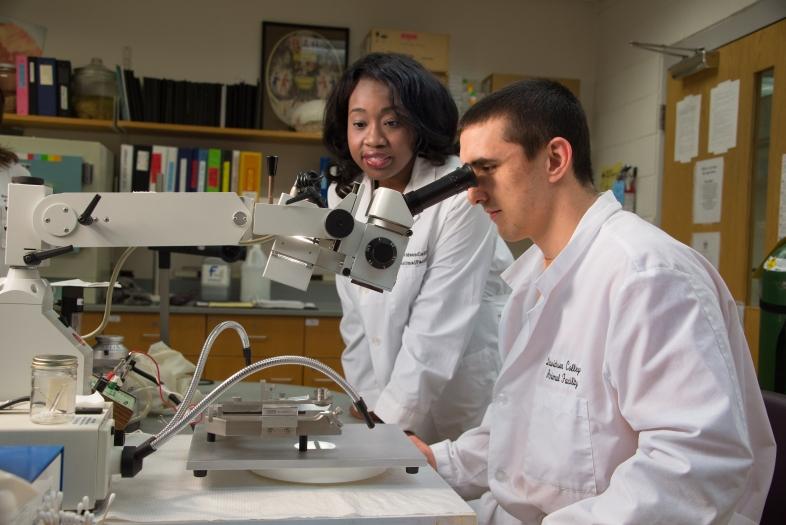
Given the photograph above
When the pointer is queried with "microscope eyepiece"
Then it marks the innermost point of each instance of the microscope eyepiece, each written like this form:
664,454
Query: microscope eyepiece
454,182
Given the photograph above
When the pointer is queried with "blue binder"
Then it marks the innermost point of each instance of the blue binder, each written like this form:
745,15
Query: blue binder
47,86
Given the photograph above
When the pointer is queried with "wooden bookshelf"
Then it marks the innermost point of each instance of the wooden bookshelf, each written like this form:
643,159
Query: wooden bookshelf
152,128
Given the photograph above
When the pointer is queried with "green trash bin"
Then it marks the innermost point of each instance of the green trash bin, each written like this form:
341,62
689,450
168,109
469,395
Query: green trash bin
772,325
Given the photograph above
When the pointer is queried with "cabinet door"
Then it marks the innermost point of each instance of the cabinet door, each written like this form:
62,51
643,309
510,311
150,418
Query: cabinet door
323,342
313,378
218,368
140,330
269,336
322,337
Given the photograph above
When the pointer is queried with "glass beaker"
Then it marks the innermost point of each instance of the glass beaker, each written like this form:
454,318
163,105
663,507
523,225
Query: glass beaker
53,389
94,91
8,86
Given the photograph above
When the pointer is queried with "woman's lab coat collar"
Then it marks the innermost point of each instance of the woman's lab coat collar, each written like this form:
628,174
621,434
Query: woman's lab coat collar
521,272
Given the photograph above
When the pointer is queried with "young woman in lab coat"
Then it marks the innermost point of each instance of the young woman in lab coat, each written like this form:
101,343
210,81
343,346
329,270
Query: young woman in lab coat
423,355
627,392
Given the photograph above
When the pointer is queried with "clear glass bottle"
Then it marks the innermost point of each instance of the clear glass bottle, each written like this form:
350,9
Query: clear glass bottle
8,86
53,389
107,352
94,89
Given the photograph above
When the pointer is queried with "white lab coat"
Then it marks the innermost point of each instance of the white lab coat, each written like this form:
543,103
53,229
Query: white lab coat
425,354
627,392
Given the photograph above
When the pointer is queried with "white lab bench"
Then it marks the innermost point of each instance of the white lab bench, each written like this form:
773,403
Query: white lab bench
165,492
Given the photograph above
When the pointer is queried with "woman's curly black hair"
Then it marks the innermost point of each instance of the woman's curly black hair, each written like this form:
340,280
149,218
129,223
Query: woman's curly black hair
420,100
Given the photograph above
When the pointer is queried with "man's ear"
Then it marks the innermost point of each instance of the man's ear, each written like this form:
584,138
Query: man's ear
559,158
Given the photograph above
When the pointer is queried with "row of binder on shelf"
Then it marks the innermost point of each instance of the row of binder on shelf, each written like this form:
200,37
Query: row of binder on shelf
166,168
43,86
183,102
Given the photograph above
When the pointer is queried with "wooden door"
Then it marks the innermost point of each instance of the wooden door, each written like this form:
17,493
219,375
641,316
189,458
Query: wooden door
748,60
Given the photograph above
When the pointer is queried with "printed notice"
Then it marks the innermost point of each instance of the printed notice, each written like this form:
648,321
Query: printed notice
708,244
686,133
724,104
707,191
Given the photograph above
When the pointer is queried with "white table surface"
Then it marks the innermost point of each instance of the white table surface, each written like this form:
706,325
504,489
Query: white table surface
164,492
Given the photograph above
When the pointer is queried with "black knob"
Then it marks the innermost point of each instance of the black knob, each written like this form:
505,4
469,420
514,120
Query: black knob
380,253
272,165
339,223
86,219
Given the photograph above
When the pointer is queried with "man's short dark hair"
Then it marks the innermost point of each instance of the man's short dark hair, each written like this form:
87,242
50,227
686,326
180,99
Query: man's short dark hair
536,111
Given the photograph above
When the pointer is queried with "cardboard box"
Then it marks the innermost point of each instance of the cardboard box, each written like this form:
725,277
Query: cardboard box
497,81
430,49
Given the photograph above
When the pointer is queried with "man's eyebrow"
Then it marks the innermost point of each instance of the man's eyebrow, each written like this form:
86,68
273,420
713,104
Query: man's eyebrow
481,161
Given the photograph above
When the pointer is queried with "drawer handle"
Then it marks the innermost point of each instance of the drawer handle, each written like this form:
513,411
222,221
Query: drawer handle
281,379
257,337
151,335
322,380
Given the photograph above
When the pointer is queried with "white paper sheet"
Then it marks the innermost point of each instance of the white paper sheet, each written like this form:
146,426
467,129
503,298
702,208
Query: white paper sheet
724,105
782,207
707,191
79,283
686,136
708,244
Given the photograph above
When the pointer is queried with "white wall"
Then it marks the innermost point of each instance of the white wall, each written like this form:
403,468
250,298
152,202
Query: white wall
206,40
630,82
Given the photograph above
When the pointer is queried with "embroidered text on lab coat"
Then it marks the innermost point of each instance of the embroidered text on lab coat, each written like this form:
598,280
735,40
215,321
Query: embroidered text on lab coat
563,372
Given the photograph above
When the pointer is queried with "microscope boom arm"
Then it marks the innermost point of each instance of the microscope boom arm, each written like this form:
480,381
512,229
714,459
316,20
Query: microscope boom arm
39,219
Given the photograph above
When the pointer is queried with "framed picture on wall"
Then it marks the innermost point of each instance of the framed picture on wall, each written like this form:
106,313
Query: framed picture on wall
300,66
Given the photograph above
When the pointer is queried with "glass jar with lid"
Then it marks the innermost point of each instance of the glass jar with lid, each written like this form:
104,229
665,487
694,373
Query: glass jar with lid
8,86
53,389
94,89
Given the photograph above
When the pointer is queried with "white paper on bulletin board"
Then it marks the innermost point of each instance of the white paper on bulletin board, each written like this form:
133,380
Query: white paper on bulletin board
708,244
782,206
724,105
707,191
686,133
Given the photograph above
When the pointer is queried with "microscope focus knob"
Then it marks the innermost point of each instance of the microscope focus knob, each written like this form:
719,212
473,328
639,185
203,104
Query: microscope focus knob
380,253
339,223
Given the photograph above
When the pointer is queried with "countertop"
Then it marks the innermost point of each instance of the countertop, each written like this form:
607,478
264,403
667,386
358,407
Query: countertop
321,310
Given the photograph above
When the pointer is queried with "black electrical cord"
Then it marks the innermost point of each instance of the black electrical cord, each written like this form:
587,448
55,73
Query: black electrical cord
12,402
172,397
